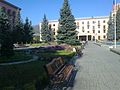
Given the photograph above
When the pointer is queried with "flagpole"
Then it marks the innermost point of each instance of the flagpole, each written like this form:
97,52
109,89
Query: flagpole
115,9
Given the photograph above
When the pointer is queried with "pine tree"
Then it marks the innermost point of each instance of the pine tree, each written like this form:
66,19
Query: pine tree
18,31
28,31
51,34
110,33
45,31
5,35
118,24
67,28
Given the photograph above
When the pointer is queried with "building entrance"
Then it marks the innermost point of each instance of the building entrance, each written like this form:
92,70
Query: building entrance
82,38
85,38
89,37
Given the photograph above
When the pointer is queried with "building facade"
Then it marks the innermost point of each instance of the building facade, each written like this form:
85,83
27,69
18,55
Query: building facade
11,10
90,28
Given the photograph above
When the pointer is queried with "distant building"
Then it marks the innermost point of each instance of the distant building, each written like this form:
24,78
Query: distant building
11,10
89,28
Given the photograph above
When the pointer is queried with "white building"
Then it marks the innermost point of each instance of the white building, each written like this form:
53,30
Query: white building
89,28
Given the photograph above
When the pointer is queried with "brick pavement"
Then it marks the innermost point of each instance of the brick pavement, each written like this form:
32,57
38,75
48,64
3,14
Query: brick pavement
99,69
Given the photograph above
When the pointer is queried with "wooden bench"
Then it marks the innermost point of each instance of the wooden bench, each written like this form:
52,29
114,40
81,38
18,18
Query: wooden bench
79,51
60,73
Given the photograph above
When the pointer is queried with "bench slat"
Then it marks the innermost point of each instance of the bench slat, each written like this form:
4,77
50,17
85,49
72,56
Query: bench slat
59,72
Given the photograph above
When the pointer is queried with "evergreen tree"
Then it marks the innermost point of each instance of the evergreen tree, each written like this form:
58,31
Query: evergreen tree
45,31
110,33
51,34
5,35
18,32
118,24
67,28
28,31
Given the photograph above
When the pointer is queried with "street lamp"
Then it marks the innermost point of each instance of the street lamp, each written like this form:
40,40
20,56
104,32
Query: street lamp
115,10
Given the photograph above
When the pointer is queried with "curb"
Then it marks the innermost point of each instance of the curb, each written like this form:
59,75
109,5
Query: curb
115,51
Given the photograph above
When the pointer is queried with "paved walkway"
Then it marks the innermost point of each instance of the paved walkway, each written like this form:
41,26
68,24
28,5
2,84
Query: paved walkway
99,69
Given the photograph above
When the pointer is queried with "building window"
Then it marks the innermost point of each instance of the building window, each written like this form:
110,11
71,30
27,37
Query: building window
77,23
93,31
98,31
93,27
98,26
83,31
49,26
4,9
104,21
104,27
98,22
88,31
88,22
98,37
54,29
93,22
9,12
104,31
88,26
104,36
113,14
82,22
77,27
54,33
53,24
13,13
82,28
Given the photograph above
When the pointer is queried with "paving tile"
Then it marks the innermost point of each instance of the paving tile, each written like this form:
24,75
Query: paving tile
99,69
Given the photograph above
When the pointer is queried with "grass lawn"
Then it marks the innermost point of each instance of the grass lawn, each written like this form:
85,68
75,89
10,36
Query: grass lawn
27,74
23,74
67,55
19,56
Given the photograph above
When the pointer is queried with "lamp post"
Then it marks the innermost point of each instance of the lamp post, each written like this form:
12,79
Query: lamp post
115,10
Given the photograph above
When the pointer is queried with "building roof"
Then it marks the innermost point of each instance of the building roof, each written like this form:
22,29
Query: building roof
3,1
93,17
85,18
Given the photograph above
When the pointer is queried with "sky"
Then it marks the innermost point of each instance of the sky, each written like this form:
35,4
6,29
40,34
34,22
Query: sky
35,9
